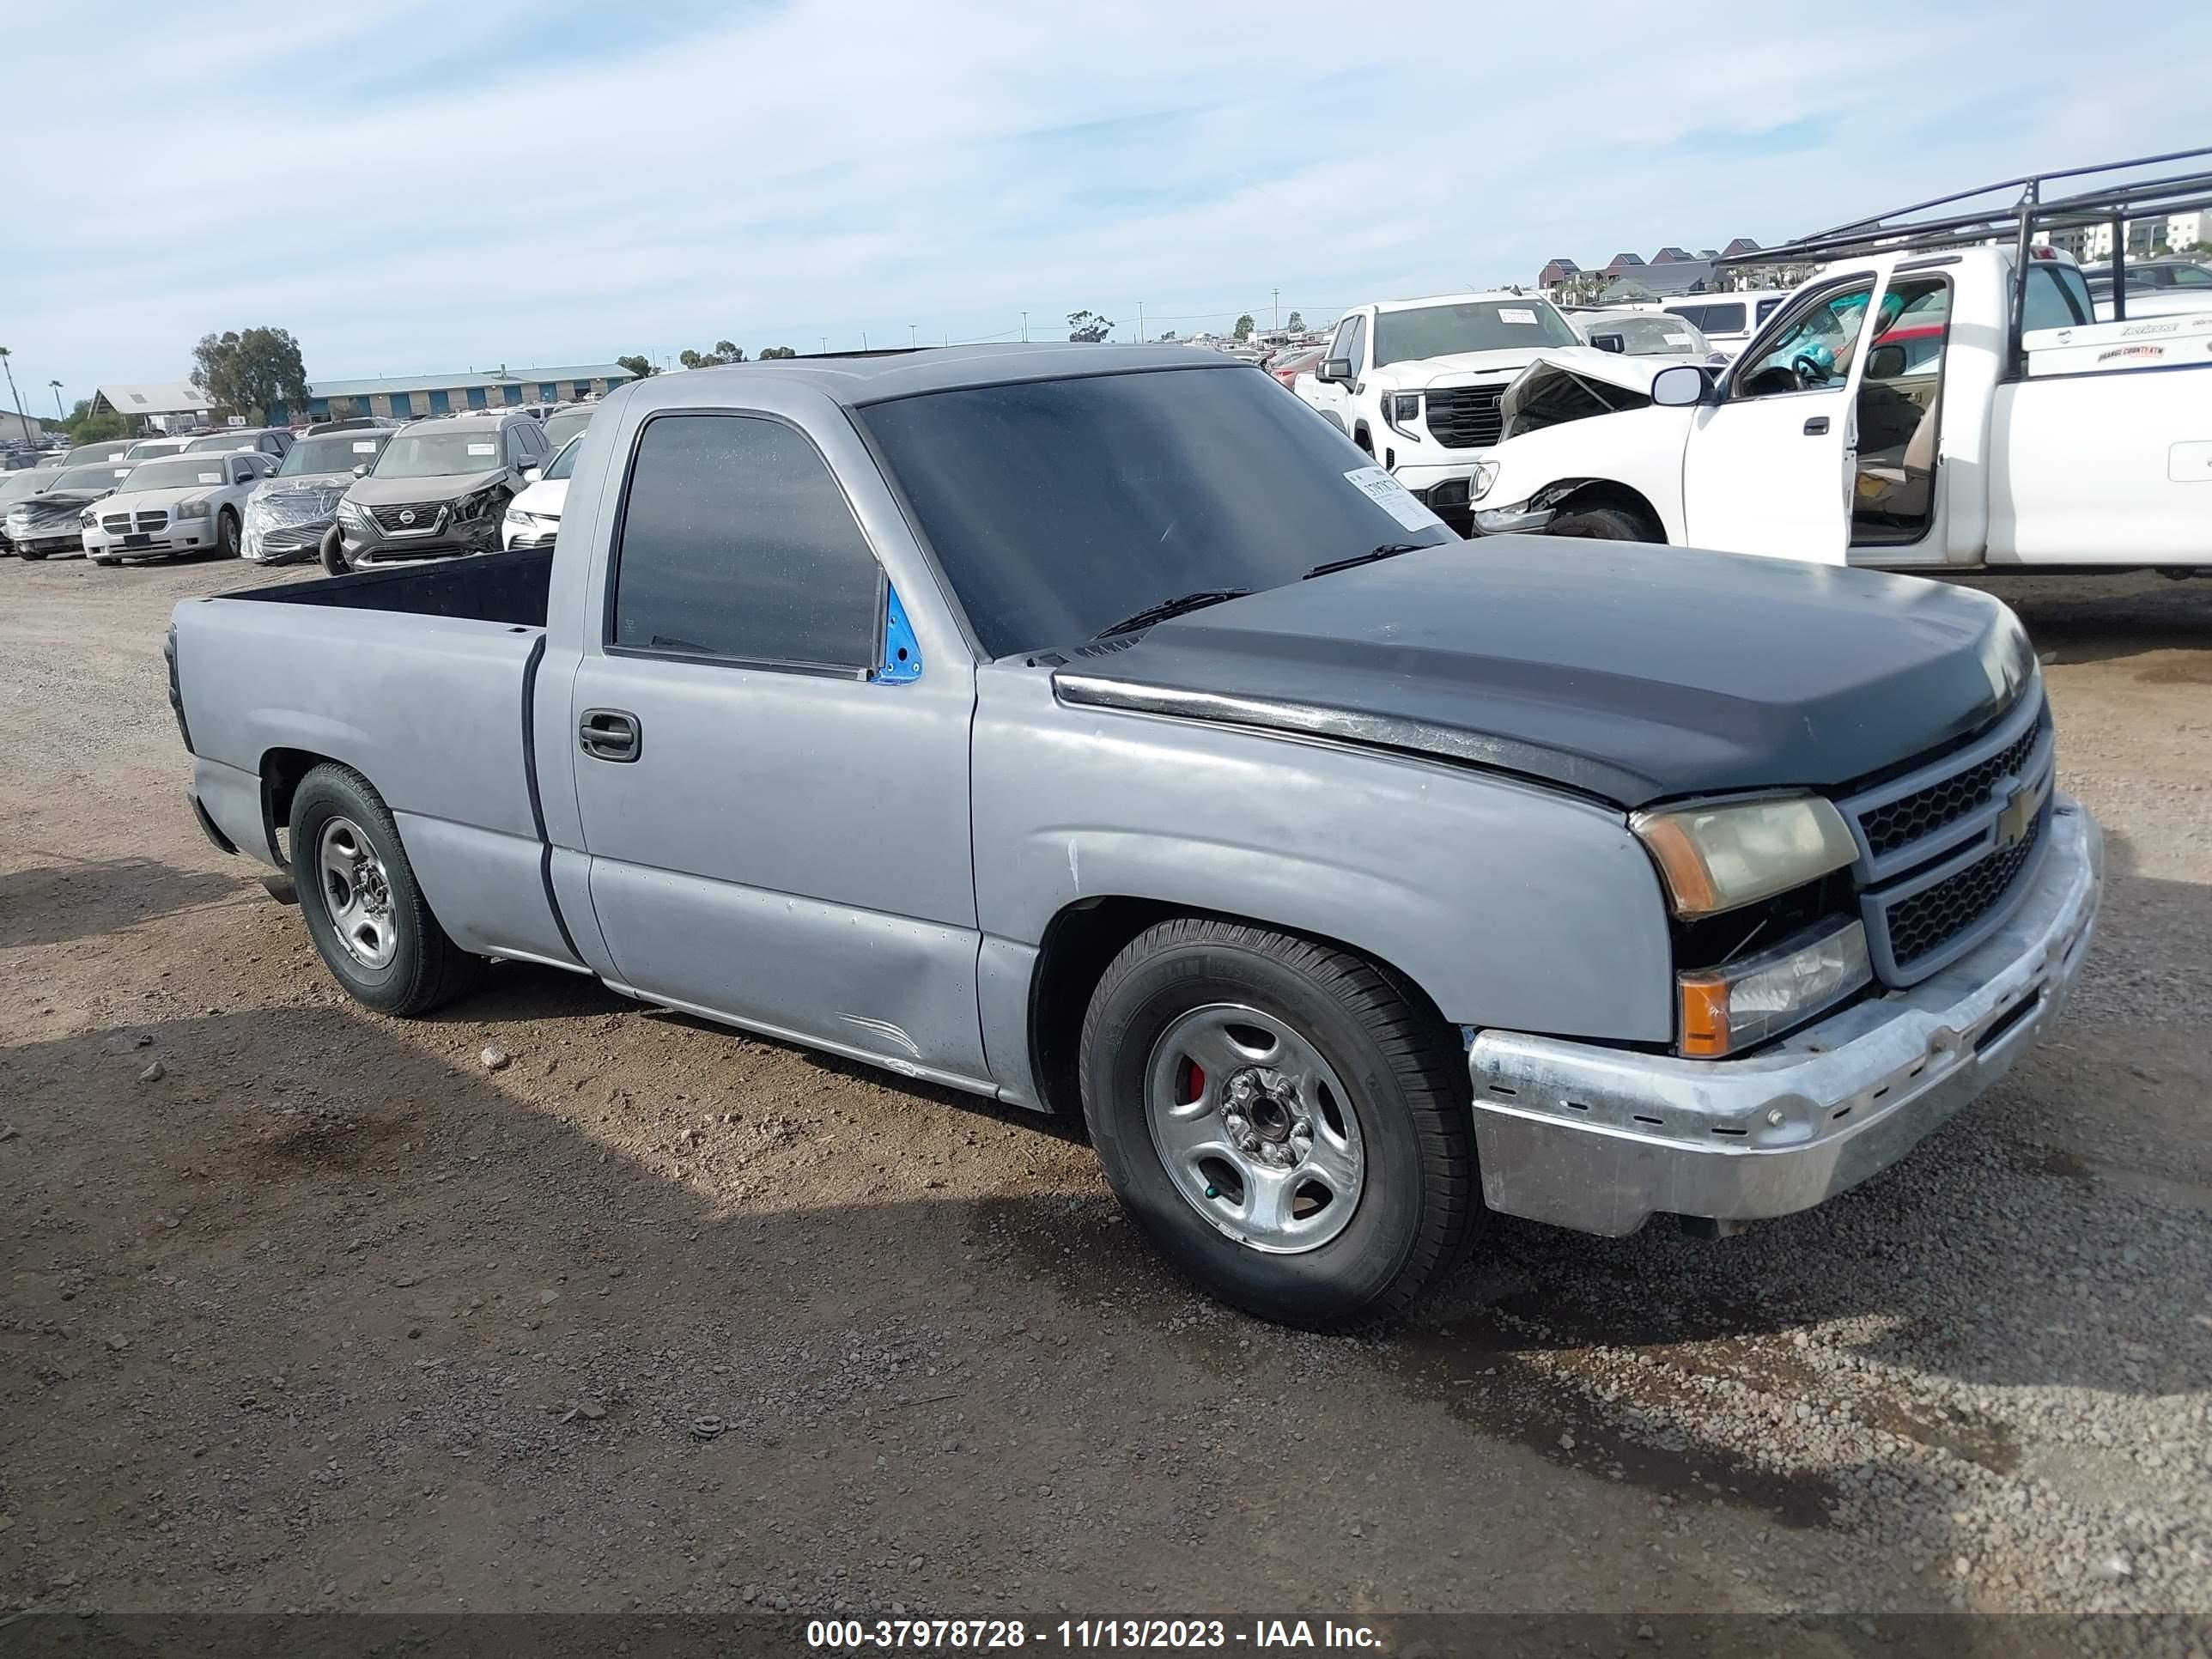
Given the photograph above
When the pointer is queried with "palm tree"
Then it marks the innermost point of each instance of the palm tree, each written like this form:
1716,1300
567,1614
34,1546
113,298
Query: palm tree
4,355
57,386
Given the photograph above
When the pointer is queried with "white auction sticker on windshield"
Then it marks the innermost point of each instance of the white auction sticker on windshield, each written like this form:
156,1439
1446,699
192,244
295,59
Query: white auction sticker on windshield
208,477
368,448
122,471
1515,315
1393,497
1673,337
483,449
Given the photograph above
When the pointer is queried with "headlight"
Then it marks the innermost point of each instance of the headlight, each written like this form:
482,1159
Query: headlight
192,509
1716,858
522,520
1484,475
1729,1009
89,518
351,512
1401,409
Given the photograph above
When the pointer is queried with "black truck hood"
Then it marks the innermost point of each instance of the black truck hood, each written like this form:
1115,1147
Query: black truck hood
1632,673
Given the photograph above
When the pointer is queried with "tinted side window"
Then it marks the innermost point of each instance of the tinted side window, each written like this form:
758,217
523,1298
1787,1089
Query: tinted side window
1356,348
737,543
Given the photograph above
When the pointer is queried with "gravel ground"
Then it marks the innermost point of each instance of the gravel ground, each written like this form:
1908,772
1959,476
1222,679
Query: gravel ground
553,1303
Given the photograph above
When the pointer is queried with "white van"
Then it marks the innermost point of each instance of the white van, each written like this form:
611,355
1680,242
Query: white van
1728,320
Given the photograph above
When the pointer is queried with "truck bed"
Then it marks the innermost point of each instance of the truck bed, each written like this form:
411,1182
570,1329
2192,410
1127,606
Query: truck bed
498,587
422,680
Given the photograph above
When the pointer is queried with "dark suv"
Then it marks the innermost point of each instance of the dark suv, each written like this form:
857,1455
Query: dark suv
440,489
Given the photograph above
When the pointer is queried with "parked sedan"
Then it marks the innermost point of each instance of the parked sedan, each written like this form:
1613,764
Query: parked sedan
287,517
178,504
274,441
114,450
51,522
20,487
1646,334
534,518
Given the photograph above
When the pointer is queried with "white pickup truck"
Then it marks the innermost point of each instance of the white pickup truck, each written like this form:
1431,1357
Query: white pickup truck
1415,383
1921,406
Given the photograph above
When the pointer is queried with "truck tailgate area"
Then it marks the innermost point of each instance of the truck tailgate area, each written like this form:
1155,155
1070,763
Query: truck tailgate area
430,709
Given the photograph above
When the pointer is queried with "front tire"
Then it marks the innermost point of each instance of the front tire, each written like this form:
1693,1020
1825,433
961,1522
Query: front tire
332,552
34,553
365,910
1604,523
1284,1121
225,534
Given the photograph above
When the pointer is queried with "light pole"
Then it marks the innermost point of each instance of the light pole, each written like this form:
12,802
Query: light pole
1140,322
1276,322
913,336
57,386
4,355
1025,326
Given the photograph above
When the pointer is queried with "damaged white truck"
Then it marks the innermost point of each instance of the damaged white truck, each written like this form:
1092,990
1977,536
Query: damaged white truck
1936,399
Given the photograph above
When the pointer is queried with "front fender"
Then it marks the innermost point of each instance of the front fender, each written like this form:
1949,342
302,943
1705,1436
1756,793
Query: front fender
1508,903
1639,448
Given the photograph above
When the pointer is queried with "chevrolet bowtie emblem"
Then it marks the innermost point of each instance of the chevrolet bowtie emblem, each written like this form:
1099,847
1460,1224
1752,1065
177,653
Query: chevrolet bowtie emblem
2019,815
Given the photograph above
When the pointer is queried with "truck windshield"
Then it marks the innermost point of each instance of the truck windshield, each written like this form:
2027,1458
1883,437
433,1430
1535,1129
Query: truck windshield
435,454
1469,325
1058,507
339,452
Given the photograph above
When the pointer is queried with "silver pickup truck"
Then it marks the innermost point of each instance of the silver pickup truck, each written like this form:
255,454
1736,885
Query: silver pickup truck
1095,729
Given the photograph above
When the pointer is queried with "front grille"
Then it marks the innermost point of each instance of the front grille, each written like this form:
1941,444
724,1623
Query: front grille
116,524
1466,417
422,516
1923,924
1945,855
1944,803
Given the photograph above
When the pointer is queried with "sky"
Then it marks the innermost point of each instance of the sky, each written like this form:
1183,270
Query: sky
415,186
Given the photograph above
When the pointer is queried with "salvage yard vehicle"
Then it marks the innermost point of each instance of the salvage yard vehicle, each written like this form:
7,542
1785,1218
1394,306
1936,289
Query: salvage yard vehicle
533,518
20,487
274,441
1416,383
288,517
1346,879
113,453
51,522
1727,320
1930,401
1645,334
174,505
440,489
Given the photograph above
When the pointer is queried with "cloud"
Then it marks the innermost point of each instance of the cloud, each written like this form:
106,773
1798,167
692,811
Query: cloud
417,186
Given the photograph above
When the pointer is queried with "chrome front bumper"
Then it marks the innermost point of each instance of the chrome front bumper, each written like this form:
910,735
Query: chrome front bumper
1600,1139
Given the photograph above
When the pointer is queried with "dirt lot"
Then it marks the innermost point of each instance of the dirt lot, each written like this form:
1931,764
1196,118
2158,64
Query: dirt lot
302,1307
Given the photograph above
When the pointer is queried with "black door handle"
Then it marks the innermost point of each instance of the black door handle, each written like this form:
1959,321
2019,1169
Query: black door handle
1816,426
609,734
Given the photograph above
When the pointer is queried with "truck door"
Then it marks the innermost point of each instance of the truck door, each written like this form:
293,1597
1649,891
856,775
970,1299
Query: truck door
1333,397
1769,468
771,774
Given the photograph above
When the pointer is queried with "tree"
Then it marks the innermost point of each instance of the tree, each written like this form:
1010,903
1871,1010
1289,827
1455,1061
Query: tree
1297,323
1088,326
641,367
724,352
245,373
1244,329
767,352
84,427
4,363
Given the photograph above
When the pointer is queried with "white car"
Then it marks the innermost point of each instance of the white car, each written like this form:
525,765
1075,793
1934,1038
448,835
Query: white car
175,504
533,517
1415,383
1728,320
1646,334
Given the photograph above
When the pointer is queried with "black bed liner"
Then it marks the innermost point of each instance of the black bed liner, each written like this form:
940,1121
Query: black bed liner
497,587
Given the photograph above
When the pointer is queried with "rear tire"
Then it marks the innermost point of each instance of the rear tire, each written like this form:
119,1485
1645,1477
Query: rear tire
365,910
1331,1084
1604,523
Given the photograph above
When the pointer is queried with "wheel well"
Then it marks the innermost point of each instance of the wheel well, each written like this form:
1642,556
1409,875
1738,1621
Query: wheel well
1079,945
1363,438
281,769
1604,492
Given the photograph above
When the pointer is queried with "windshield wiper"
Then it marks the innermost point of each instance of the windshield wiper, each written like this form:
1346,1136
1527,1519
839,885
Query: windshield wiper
1175,607
1388,550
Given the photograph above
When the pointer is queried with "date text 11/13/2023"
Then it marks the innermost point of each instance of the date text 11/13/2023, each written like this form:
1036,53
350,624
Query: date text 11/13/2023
1085,1634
